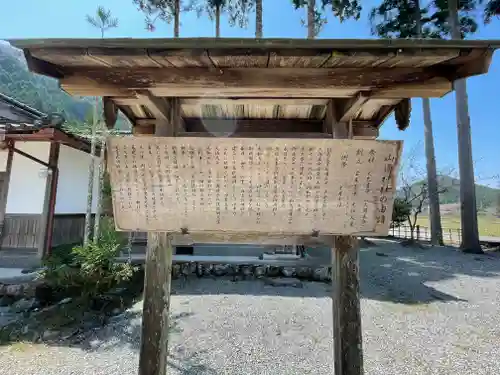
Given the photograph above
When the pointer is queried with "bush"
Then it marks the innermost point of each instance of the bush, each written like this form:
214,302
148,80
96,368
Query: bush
400,212
91,270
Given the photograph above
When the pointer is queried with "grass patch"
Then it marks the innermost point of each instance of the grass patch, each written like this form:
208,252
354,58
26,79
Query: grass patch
488,225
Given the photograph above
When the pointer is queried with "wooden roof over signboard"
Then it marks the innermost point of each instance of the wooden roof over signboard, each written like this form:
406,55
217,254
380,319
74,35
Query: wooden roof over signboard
266,83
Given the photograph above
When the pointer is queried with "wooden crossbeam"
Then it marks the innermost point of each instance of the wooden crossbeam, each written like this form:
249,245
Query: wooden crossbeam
157,106
279,78
349,108
261,128
252,101
248,82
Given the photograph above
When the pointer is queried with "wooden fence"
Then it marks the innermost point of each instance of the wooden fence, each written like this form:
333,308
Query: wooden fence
450,236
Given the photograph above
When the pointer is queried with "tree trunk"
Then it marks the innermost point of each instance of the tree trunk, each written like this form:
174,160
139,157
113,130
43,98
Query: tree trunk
177,14
100,184
217,21
90,187
432,184
311,32
468,210
434,211
258,19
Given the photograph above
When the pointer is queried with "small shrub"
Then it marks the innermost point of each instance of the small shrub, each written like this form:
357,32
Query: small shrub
90,269
400,212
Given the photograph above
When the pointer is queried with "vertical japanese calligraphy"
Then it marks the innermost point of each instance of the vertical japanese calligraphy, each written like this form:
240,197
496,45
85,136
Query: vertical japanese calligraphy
253,185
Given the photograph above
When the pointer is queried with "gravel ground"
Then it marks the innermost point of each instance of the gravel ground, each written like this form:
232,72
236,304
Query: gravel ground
424,312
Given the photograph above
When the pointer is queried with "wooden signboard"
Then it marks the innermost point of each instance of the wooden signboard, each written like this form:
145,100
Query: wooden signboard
248,185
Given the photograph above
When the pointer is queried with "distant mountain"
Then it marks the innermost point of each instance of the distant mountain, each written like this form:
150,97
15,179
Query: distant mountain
40,92
486,197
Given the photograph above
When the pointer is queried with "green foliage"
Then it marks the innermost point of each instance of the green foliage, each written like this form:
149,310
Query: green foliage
164,10
492,9
90,269
37,91
43,93
341,9
397,18
400,212
485,196
102,20
344,9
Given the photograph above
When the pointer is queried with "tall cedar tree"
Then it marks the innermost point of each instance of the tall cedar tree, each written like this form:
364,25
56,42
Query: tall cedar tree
103,20
492,9
395,19
236,10
316,19
164,10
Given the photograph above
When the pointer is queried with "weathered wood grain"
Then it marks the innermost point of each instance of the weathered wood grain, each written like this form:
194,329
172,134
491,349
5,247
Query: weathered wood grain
252,185
277,79
347,338
158,273
4,188
155,321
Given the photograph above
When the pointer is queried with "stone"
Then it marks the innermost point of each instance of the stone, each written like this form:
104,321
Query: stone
322,274
15,290
24,305
273,271
260,271
290,282
6,301
65,301
288,271
207,269
3,289
49,335
192,267
221,269
29,290
304,272
176,271
116,311
45,294
246,271
185,269
199,270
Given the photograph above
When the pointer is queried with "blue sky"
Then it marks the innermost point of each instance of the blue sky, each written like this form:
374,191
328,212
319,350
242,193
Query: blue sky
66,19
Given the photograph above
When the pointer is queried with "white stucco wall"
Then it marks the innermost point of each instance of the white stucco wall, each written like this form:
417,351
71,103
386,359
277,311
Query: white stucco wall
73,181
3,160
27,179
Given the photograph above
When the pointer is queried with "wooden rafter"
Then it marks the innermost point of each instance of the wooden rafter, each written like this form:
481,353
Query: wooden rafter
349,108
157,106
278,79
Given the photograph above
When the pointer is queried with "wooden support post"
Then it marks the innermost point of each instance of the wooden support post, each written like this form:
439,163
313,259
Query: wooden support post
4,191
49,203
156,310
157,280
347,340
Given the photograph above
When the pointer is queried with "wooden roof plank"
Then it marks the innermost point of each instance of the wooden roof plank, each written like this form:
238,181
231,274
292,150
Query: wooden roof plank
281,79
239,58
125,58
68,57
180,58
298,58
272,43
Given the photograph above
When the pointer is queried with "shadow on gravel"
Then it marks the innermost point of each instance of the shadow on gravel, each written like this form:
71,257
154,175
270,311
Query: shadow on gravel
400,274
124,331
389,272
